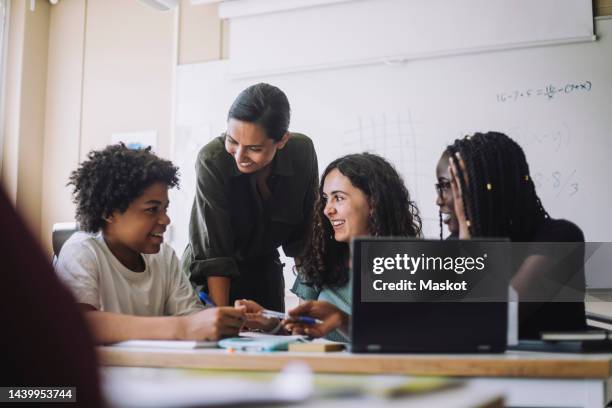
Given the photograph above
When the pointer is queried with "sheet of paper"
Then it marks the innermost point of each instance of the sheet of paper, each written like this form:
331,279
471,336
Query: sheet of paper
167,344
272,336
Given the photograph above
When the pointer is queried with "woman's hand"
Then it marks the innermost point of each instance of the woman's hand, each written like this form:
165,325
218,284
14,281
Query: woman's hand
332,317
254,320
464,225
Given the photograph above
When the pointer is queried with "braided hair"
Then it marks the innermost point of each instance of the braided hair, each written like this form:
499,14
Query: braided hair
499,195
393,214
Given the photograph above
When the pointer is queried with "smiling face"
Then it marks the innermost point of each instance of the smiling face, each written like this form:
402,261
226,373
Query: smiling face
346,207
140,229
249,145
445,195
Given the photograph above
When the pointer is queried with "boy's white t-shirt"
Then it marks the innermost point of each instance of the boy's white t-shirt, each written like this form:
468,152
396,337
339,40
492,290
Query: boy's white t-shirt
96,277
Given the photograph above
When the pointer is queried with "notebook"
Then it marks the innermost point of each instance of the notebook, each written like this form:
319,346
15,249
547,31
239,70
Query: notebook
261,342
575,346
589,335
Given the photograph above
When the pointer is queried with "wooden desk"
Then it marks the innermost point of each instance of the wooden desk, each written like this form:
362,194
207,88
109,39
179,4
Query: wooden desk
531,379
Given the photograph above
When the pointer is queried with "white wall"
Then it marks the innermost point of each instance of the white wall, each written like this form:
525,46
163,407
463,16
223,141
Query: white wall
63,111
23,125
111,68
130,56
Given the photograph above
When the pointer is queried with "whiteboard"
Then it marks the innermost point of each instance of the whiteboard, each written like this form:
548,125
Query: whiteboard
352,32
556,101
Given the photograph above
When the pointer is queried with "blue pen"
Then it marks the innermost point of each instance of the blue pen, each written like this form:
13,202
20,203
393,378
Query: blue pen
283,316
206,299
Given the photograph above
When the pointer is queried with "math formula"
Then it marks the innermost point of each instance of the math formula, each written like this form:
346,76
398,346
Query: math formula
549,92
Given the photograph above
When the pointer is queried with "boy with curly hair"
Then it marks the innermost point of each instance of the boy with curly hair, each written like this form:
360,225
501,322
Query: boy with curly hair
118,267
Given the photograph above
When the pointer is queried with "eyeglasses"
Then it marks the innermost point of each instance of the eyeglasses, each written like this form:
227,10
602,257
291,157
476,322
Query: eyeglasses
443,188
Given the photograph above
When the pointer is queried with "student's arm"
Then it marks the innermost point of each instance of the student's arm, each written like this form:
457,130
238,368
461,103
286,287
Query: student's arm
211,237
553,268
209,324
530,280
332,317
218,289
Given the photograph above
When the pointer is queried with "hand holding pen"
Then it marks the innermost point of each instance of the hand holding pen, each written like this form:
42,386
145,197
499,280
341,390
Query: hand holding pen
255,318
267,320
327,318
287,317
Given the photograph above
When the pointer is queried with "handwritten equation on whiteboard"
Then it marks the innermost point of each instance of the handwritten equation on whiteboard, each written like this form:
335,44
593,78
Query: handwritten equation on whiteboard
562,183
548,92
556,136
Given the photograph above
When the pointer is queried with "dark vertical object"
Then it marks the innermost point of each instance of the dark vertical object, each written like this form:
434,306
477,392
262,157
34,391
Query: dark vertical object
44,339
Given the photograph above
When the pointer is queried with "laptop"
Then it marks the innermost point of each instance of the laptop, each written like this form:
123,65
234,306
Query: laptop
427,319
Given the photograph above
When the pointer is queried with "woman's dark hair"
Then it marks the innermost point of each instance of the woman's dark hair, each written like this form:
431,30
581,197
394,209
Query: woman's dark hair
499,196
112,178
264,105
324,261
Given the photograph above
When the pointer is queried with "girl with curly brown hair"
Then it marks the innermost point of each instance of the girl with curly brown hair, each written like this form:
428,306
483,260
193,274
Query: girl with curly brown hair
359,195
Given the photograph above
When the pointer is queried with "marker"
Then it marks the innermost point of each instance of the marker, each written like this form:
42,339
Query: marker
206,299
283,316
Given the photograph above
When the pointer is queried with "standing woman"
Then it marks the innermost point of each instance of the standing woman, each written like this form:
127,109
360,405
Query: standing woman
256,187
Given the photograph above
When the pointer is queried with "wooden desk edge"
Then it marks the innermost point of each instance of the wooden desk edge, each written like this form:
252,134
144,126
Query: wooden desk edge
343,363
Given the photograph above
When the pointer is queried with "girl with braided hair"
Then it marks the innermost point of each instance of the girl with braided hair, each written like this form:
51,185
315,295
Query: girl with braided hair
359,195
485,190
